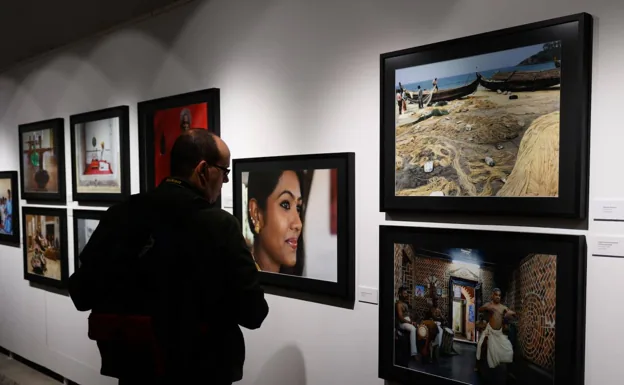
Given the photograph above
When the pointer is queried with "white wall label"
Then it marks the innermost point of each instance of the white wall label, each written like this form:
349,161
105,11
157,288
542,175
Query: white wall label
608,210
605,246
369,295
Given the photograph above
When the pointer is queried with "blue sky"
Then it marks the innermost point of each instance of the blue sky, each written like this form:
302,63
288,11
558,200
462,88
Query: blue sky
462,66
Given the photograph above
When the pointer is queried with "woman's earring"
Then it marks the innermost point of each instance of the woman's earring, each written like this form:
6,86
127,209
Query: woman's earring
257,227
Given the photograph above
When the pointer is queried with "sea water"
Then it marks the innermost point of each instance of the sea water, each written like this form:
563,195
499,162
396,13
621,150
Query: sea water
462,80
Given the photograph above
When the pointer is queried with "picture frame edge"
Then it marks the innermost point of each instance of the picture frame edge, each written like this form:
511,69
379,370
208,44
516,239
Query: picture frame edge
58,128
342,293
578,206
211,96
61,213
393,372
122,112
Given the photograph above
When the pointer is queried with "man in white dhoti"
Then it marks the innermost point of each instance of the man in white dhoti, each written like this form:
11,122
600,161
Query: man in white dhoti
499,348
404,319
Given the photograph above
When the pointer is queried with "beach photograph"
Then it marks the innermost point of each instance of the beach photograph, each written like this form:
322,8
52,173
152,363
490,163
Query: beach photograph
475,316
480,126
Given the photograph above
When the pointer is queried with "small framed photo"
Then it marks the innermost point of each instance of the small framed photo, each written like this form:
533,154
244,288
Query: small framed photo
298,217
9,209
42,163
100,151
513,313
162,120
85,223
45,246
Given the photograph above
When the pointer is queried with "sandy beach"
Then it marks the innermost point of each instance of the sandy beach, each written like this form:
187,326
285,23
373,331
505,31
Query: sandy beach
485,144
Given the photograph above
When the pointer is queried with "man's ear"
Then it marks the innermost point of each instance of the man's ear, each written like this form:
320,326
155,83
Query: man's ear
200,169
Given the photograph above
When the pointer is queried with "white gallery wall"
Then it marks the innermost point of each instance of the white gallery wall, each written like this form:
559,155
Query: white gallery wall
296,77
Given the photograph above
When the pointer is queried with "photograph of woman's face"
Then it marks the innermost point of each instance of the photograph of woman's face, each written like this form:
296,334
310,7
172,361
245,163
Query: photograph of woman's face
275,206
278,226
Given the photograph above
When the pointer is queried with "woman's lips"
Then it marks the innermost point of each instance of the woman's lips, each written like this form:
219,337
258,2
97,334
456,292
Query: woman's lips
292,242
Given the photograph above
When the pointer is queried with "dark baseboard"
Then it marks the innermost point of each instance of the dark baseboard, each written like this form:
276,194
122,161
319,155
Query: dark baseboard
36,367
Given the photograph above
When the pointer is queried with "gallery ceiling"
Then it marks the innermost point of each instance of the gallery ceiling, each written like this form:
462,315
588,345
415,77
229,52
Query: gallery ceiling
29,28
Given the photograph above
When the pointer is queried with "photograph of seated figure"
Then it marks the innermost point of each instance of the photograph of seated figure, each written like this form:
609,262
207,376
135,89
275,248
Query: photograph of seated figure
43,246
473,317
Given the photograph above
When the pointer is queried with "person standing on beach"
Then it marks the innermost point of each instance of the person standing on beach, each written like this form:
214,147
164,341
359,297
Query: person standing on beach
420,97
435,85
404,98
399,99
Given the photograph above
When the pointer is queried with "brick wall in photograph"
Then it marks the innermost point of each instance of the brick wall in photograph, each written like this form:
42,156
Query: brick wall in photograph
427,271
532,294
398,267
439,272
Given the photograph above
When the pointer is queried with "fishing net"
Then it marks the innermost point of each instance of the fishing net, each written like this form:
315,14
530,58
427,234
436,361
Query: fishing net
537,168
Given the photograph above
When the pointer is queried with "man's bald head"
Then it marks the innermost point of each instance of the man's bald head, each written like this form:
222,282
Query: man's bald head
203,158
192,147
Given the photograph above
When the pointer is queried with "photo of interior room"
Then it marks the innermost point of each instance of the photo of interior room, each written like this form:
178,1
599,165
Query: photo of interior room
43,246
463,301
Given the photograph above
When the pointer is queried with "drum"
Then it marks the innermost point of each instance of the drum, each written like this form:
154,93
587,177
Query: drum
447,341
423,332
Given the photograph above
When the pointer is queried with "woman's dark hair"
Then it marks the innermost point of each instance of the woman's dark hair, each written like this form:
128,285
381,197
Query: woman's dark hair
260,184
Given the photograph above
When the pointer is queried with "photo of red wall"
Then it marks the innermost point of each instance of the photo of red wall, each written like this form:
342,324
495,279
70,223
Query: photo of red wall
334,202
167,128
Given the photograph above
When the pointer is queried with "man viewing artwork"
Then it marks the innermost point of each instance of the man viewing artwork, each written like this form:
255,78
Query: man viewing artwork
157,318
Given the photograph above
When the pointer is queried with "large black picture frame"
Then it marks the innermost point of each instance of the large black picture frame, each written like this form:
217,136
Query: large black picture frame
58,129
12,239
64,255
123,114
499,248
78,215
342,292
575,32
146,111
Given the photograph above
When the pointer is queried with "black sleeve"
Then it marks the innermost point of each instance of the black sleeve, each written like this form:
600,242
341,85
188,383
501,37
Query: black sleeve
242,278
83,284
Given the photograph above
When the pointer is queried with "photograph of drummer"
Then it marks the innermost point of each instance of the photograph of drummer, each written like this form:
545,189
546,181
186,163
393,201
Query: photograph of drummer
484,317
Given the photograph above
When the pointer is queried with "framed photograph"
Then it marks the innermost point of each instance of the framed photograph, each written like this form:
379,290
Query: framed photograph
85,223
9,209
100,150
162,120
42,163
45,246
499,307
298,218
496,123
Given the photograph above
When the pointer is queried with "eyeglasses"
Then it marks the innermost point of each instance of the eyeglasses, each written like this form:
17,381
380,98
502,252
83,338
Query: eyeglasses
226,171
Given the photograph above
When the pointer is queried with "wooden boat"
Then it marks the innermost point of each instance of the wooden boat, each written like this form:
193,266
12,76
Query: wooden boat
445,95
523,80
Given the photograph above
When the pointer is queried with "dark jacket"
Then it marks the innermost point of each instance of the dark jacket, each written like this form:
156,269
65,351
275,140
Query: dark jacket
168,264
